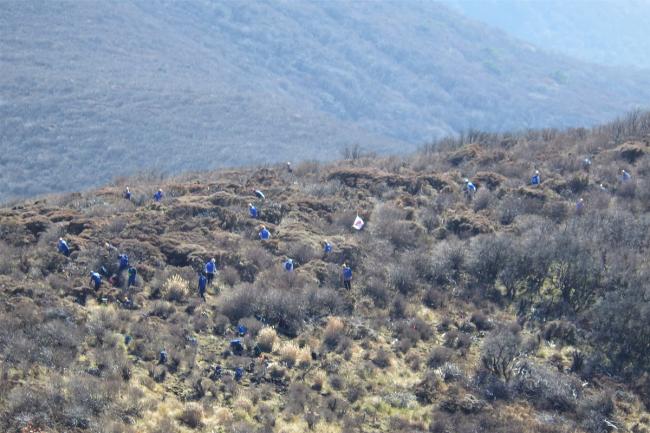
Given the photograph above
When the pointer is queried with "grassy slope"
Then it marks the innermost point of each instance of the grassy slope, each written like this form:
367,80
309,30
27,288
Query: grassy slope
374,359
122,86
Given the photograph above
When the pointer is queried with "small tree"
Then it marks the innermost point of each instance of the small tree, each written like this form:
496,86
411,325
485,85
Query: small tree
500,352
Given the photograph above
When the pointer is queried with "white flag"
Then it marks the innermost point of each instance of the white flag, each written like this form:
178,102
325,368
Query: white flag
358,223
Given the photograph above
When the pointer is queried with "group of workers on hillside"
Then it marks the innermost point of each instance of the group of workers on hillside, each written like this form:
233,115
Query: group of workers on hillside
209,271
536,180
206,277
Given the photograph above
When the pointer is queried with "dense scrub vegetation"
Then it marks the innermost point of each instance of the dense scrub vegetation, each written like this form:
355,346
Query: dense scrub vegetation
512,310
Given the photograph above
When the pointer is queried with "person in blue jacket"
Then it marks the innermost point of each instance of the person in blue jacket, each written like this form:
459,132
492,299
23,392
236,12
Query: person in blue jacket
96,279
327,247
625,176
347,276
211,270
133,272
63,247
470,188
288,265
264,234
536,179
124,262
203,282
158,196
252,210
127,193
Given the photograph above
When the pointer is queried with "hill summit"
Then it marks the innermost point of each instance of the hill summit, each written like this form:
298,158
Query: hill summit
507,306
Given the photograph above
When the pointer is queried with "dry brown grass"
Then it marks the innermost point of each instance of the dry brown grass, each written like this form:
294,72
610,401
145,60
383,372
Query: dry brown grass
266,339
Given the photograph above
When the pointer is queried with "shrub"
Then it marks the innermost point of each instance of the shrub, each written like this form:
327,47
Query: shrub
355,391
482,200
175,289
8,259
427,389
447,262
165,425
230,276
252,325
289,354
323,302
439,355
560,331
488,254
162,309
433,298
302,252
403,278
457,340
451,372
266,339
192,416
399,307
547,388
221,324
303,359
499,352
240,304
482,322
376,289
382,358
334,332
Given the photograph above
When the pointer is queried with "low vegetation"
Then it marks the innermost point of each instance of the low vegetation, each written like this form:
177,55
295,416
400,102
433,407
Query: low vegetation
509,311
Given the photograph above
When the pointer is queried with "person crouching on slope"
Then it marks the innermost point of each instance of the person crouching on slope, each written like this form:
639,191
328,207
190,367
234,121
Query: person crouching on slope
264,234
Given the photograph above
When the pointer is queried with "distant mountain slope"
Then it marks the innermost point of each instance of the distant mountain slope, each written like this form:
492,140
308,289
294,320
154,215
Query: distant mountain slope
92,90
609,32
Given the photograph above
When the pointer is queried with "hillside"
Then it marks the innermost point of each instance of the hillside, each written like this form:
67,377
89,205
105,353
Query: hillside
95,90
510,311
614,33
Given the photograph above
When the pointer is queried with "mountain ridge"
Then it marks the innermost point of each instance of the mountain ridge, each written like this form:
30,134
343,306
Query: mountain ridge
96,90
